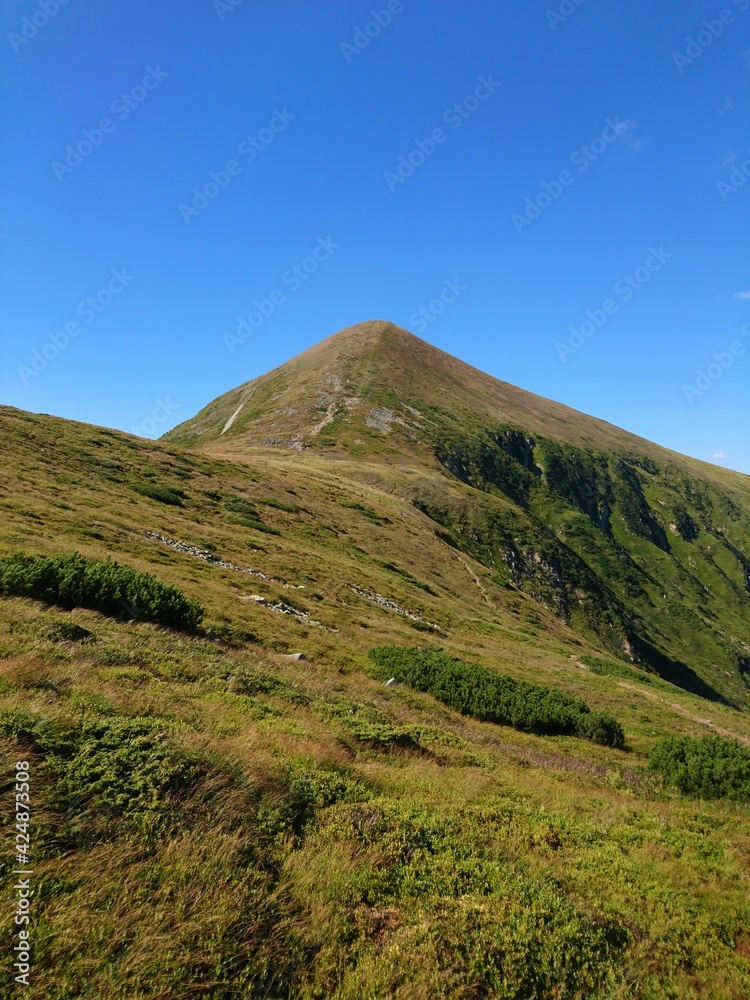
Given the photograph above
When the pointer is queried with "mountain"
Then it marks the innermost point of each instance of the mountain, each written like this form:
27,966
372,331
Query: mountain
465,715
376,388
636,547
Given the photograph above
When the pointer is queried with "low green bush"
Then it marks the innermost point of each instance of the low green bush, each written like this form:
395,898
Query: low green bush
120,766
247,515
236,505
104,767
367,512
289,508
63,631
492,697
421,626
164,494
711,767
258,525
103,585
381,736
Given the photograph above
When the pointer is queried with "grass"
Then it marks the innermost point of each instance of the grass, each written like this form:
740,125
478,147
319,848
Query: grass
211,819
282,849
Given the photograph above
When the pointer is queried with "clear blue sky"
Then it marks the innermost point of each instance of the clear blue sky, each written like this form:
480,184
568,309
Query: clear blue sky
316,123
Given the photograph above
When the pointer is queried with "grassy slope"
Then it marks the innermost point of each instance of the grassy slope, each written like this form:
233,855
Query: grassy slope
641,550
315,852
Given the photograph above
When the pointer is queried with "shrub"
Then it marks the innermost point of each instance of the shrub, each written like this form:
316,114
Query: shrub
103,585
290,508
63,631
242,507
120,766
367,512
383,737
107,767
164,494
248,515
492,697
421,626
711,767
257,525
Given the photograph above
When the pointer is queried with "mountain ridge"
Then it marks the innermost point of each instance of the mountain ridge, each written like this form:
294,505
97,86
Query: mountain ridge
336,382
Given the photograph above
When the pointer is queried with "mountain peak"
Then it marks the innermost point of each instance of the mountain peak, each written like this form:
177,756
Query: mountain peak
376,389
362,376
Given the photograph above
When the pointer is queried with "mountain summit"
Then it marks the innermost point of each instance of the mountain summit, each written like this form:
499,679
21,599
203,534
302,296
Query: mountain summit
635,547
375,387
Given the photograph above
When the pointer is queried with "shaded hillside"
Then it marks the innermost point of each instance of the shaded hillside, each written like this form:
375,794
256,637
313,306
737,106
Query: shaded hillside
651,560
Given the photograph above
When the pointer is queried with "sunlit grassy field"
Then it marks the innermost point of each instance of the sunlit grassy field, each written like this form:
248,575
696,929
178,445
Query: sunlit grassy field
211,818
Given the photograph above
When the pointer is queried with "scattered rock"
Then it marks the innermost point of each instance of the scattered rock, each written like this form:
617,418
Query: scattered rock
382,419
204,554
391,605
288,609
329,417
209,557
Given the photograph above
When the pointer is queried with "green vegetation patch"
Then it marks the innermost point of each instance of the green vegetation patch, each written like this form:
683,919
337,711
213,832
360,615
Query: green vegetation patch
368,512
711,767
492,697
381,736
103,585
247,515
598,665
289,508
164,494
64,631
106,766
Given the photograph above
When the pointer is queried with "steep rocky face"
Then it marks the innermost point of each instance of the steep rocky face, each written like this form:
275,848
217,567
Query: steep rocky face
650,561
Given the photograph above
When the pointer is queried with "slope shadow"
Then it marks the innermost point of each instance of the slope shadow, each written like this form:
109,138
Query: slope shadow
677,673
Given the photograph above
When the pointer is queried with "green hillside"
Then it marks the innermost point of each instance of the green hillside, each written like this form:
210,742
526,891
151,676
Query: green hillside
638,549
530,811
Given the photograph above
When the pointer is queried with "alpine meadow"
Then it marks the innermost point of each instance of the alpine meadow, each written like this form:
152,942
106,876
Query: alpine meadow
549,798
375,500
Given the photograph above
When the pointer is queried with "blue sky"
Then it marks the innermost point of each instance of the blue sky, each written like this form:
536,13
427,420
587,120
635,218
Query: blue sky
572,179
